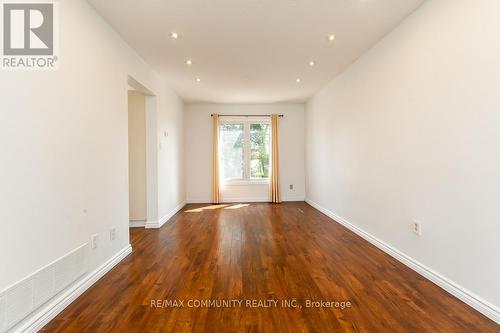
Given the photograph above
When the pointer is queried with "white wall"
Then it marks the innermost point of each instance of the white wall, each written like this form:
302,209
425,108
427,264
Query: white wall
198,156
64,155
170,127
137,155
411,131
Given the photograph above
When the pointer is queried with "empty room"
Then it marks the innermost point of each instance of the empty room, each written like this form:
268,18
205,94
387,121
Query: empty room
250,166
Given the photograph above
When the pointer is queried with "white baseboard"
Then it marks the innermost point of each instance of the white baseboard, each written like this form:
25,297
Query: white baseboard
237,200
227,200
466,296
199,201
293,199
164,219
41,317
244,200
266,199
137,223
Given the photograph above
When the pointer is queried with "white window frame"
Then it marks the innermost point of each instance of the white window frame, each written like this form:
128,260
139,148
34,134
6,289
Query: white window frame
246,121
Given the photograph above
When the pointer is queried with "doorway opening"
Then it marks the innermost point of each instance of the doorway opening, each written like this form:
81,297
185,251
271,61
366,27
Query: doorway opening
142,164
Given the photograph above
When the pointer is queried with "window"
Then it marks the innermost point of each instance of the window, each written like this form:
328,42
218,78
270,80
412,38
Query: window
259,151
244,150
231,151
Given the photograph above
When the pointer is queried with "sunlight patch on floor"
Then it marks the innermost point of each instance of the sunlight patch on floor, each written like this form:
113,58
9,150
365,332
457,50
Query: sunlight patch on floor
237,206
212,207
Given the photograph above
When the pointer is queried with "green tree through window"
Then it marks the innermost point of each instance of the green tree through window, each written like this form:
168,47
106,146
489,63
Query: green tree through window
259,150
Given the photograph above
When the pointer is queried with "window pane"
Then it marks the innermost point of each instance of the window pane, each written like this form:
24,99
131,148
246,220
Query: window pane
259,150
231,151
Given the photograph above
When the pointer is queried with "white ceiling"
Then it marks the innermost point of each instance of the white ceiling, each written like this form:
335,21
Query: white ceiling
252,51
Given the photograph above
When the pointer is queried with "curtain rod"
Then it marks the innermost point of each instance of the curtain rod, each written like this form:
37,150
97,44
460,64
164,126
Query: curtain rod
246,115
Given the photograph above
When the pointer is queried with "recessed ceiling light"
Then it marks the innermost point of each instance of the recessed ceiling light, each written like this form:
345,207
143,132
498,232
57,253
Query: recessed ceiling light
174,35
331,38
297,80
198,79
312,63
189,62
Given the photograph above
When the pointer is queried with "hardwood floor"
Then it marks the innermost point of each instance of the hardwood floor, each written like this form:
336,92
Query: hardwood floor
262,252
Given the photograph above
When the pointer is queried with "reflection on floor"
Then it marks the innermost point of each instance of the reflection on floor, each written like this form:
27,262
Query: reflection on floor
237,206
211,207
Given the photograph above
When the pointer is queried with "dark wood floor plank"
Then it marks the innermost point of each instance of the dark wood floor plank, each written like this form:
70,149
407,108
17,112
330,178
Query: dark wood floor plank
263,252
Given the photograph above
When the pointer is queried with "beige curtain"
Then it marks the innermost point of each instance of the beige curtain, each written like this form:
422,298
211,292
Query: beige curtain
275,177
215,159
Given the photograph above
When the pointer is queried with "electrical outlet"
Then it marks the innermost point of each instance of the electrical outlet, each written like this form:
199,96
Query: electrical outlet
112,234
291,186
93,241
417,228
